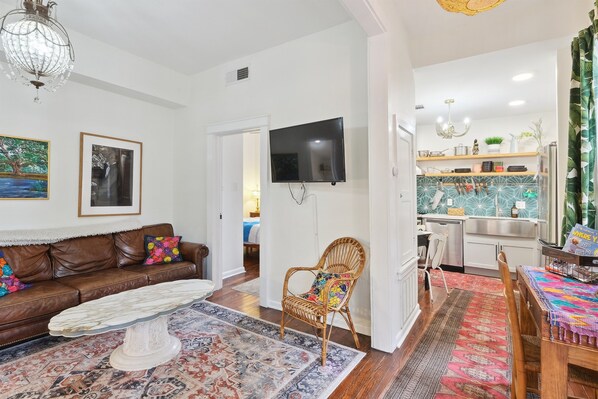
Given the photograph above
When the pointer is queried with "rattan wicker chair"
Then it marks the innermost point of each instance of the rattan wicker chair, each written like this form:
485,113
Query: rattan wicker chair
526,348
343,262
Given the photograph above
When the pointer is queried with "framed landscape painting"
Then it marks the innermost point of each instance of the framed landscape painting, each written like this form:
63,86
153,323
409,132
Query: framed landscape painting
109,176
24,168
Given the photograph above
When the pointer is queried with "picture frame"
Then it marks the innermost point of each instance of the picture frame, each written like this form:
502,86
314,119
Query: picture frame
24,168
109,176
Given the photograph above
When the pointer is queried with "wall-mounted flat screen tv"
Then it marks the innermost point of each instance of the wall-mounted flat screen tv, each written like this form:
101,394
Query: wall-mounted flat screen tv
313,152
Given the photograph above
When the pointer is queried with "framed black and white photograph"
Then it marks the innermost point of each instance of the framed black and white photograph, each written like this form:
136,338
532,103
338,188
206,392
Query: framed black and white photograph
109,176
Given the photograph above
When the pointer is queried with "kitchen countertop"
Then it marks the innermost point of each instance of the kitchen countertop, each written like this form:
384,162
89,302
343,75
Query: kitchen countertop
451,217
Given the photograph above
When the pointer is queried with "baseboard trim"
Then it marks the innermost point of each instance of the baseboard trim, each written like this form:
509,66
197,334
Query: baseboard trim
400,339
234,272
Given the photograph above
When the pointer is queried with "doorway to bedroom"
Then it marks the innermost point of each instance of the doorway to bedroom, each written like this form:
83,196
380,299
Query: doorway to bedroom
235,212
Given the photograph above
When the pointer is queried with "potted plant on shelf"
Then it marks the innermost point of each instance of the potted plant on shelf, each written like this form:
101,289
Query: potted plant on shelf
493,144
535,133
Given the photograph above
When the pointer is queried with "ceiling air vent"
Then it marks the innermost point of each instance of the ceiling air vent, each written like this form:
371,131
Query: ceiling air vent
419,106
237,75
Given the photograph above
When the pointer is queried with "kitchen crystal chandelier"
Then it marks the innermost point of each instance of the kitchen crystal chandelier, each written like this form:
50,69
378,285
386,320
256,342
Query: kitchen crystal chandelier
469,7
37,47
447,129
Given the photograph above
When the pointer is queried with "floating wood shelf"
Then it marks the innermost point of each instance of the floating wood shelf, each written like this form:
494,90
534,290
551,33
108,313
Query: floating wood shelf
528,173
479,156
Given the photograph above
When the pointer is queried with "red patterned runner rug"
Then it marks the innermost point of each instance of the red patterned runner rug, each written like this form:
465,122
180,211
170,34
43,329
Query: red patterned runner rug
464,353
468,282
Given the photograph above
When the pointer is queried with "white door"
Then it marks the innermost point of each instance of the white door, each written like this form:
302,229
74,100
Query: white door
232,205
407,211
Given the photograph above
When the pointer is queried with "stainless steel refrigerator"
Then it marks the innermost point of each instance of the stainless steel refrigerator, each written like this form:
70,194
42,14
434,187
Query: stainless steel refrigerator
548,212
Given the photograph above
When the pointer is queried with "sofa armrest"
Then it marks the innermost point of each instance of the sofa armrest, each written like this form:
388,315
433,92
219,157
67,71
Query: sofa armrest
195,253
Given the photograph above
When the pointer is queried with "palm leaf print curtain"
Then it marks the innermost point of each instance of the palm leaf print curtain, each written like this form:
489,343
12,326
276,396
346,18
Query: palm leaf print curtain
580,204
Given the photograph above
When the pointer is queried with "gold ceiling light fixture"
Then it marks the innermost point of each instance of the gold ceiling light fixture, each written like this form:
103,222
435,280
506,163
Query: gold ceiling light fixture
469,7
38,49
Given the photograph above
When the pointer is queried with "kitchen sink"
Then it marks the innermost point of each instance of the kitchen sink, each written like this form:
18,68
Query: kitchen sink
500,226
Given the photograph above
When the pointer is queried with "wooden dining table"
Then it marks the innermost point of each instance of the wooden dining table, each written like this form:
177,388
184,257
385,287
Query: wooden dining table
564,312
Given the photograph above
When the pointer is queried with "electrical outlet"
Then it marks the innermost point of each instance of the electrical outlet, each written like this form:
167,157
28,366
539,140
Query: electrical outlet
449,201
520,204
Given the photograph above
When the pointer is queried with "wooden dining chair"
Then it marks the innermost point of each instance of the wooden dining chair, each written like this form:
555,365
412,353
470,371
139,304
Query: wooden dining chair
526,348
336,275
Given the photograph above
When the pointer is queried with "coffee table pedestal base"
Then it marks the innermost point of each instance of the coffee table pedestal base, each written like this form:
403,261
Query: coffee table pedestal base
147,344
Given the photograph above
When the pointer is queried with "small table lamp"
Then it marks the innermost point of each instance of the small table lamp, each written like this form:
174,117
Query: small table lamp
256,194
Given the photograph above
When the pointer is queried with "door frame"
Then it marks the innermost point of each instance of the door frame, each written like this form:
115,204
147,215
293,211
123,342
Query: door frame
215,132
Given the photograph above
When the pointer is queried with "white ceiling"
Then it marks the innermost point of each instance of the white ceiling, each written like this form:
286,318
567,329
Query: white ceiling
190,36
455,56
472,59
438,36
482,86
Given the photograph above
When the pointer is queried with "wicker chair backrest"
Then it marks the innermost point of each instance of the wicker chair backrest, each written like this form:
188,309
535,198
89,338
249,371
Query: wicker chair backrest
343,255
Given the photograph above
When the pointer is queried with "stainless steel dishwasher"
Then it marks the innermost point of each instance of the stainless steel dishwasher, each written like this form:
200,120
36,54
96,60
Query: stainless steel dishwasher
453,229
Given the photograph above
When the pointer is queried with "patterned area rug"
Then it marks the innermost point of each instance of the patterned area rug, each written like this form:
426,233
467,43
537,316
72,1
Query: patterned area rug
225,355
464,353
468,282
251,287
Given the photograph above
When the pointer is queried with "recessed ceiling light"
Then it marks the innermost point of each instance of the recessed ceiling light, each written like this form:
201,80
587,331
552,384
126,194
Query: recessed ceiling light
523,76
516,103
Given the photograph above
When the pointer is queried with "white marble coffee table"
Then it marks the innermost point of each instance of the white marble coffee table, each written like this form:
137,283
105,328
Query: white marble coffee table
143,312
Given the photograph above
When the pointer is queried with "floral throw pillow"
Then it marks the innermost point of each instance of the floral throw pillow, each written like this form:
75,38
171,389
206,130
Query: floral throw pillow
337,292
9,283
161,250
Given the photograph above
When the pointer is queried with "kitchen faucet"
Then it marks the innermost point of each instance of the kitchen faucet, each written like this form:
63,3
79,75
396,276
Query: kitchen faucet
496,203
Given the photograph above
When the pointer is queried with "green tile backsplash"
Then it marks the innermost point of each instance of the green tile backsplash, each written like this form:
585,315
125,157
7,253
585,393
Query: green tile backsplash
508,188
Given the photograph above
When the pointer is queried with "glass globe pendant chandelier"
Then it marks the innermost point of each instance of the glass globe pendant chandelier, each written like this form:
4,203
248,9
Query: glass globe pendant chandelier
469,7
37,47
447,129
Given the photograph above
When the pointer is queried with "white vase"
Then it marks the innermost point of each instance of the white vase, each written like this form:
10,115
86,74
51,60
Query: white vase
493,148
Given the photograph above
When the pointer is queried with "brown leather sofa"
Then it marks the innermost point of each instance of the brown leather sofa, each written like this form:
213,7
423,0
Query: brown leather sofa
77,270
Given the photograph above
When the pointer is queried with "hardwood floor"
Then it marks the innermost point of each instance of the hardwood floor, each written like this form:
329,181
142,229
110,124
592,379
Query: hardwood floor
374,374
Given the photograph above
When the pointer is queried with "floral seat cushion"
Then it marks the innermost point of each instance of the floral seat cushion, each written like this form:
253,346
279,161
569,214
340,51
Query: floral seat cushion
337,292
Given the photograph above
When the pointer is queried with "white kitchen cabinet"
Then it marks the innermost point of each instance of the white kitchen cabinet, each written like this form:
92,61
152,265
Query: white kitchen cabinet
482,251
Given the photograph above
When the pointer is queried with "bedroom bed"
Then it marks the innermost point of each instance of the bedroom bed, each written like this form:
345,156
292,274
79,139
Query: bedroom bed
251,234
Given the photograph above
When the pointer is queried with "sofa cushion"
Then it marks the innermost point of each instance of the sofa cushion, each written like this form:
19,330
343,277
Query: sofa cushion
162,250
44,297
129,247
168,272
82,255
162,229
30,263
100,283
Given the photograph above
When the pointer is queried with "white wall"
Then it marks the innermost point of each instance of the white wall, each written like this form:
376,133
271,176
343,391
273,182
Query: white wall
427,139
76,108
232,209
317,77
251,171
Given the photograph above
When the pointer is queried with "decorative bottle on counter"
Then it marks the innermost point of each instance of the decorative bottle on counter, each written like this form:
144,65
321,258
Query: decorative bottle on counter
514,212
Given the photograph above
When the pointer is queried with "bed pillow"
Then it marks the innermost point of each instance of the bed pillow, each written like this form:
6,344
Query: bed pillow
161,249
337,292
9,283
